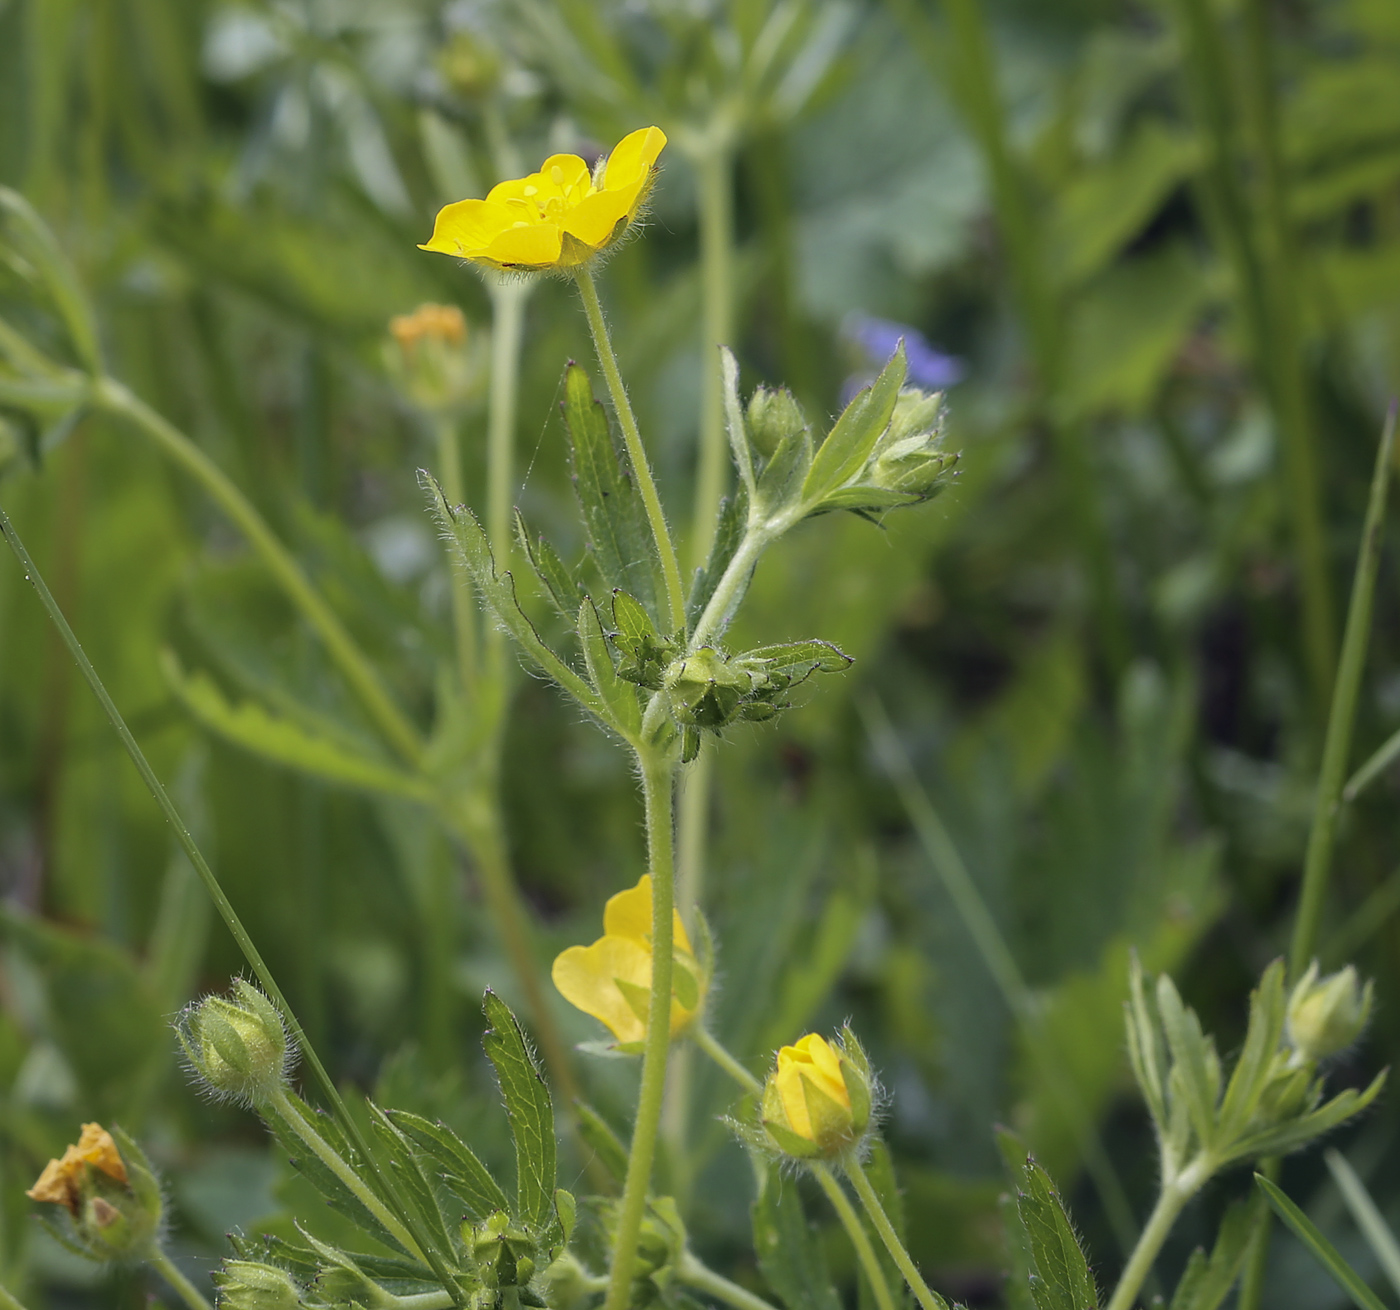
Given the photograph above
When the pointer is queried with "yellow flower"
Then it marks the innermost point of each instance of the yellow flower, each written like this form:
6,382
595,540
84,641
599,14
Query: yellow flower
611,980
442,323
557,218
817,1099
62,1180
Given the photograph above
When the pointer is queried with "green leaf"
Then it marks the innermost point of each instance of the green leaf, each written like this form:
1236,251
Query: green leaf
734,419
848,446
620,696
1266,1014
1207,1282
555,576
790,1254
1017,1291
528,1108
645,652
1299,1132
619,535
818,656
1326,1254
261,732
1191,1058
606,1144
1061,1278
470,538
413,1183
729,534
456,1163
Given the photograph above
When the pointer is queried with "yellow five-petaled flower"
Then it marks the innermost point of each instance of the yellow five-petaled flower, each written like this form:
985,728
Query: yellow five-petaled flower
61,1181
555,219
611,980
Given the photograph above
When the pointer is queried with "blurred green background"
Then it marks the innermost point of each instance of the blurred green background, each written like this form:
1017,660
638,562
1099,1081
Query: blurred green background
1157,245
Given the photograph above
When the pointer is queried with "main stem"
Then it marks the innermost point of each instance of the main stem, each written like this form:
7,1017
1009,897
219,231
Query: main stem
220,899
507,334
856,1173
169,1271
850,1221
656,517
658,782
354,667
1173,1197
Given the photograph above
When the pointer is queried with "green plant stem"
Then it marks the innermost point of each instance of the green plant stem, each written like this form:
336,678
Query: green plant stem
658,784
464,621
169,1271
221,901
507,336
347,656
855,1230
340,1167
927,1298
656,516
1377,764
702,1038
701,1277
1170,1202
1342,718
714,170
8,1301
1001,964
476,820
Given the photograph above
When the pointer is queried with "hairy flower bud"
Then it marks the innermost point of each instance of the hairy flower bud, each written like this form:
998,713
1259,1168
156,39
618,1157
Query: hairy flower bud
773,416
909,458
237,1045
1325,1015
249,1285
434,360
817,1100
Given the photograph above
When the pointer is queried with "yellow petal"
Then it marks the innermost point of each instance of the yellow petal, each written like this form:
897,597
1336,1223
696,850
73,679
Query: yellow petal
585,977
56,1184
468,227
633,157
96,1147
593,219
527,245
794,1098
628,914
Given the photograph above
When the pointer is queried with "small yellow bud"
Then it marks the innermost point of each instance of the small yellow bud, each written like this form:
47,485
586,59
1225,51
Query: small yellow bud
817,1099
1325,1015
238,1045
611,979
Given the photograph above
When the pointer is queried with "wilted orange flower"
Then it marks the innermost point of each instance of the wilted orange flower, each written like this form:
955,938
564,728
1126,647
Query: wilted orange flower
557,218
61,1179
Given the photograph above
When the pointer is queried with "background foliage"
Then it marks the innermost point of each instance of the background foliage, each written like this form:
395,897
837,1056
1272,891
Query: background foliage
1162,244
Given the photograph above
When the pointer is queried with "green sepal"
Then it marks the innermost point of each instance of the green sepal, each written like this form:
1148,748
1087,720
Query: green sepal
849,444
685,987
638,998
566,1210
791,1143
832,1123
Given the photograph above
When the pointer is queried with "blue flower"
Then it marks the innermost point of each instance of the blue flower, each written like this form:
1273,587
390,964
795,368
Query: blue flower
876,339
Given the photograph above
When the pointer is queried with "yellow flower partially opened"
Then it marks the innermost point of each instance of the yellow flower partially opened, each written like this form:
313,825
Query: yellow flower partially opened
817,1099
611,980
555,219
62,1180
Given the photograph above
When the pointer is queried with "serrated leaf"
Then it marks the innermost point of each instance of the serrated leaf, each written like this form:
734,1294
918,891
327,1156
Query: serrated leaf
729,535
1191,1058
455,1162
556,578
844,452
1060,1279
264,733
790,1253
1323,1251
606,1144
614,516
413,1183
465,531
1206,1282
822,656
620,696
645,652
528,1108
1266,1015
1299,1132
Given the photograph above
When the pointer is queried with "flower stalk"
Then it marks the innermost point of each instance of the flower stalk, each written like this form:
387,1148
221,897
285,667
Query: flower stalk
170,1271
855,1171
855,1230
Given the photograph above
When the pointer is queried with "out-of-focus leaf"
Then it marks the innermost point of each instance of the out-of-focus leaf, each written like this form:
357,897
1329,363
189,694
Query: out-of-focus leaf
789,1254
1206,1282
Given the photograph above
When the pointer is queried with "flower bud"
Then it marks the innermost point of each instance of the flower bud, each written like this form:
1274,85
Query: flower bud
1326,1015
909,458
705,689
470,66
248,1285
817,1100
773,417
238,1045
433,360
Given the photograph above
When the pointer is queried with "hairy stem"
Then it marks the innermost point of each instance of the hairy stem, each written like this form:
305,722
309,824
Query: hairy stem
464,621
929,1299
707,1043
217,895
855,1230
658,783
656,517
507,335
346,655
1170,1202
169,1271
704,1279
